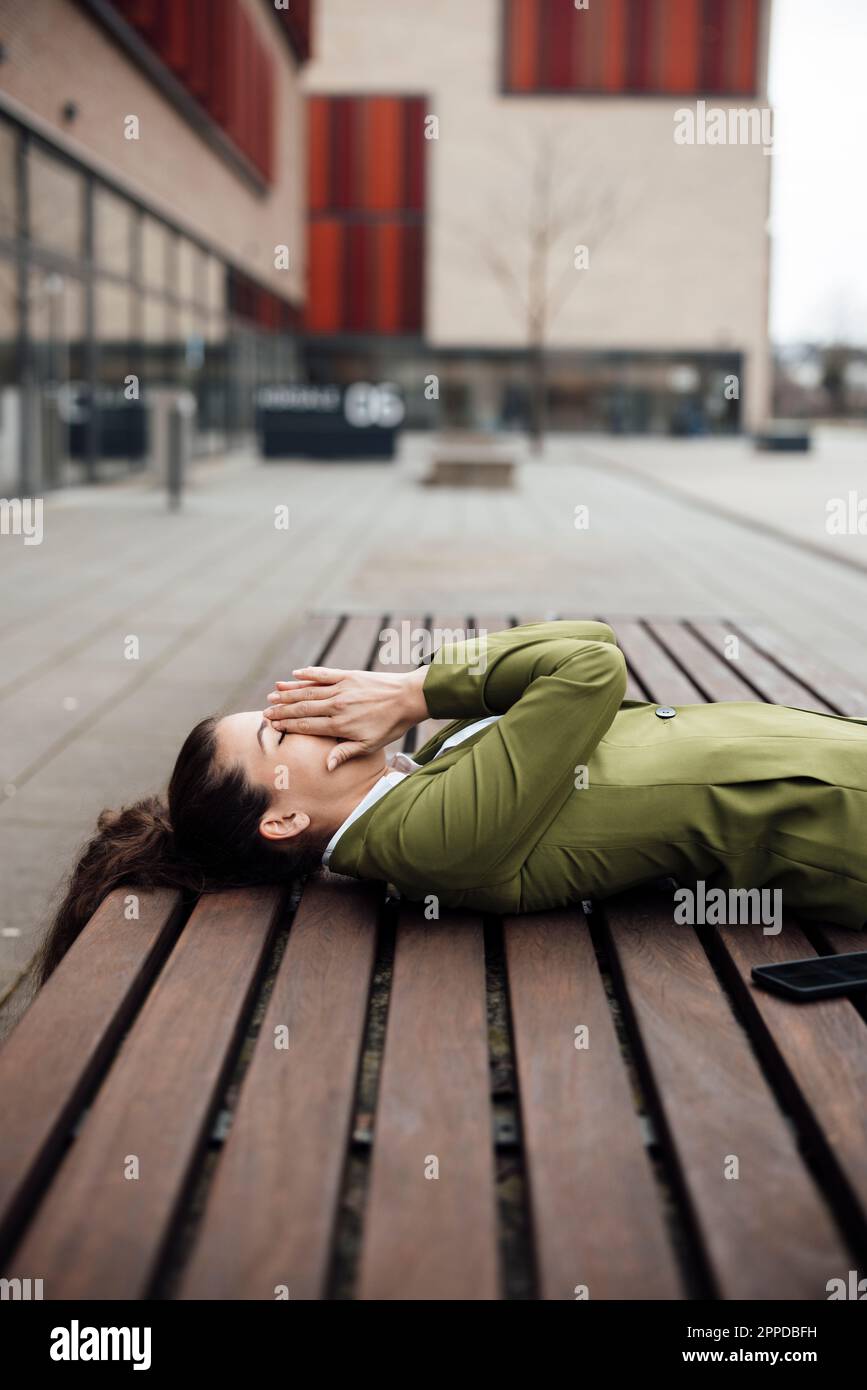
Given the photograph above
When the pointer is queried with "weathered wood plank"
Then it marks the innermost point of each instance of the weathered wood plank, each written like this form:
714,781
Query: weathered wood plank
430,1231
354,646
716,678
53,1058
772,684
652,668
304,647
822,1045
100,1233
766,1232
841,692
596,1214
270,1215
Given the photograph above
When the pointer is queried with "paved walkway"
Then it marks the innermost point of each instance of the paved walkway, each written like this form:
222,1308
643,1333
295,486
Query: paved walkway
212,594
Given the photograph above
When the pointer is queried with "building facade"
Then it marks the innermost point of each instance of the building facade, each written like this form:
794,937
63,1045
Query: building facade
480,202
449,140
152,223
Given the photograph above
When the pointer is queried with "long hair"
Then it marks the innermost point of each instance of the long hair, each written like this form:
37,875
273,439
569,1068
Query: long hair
205,837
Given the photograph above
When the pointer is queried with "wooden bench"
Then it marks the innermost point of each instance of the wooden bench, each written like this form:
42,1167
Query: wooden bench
415,1047
465,459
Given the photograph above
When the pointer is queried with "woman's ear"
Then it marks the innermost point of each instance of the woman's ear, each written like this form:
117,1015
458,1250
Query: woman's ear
276,827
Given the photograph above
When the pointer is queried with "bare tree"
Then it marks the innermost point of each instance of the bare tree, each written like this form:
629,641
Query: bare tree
532,251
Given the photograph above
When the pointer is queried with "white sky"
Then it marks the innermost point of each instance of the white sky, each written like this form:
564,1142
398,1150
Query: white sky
818,88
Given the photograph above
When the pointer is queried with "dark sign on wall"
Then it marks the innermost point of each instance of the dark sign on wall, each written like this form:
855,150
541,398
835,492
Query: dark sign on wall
329,422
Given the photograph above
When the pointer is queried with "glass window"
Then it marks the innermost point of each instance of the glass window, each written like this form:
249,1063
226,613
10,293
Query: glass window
9,363
8,180
189,271
56,198
113,330
155,319
112,231
154,254
215,285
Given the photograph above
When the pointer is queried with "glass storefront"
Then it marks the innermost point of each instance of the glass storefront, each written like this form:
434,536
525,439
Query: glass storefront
101,300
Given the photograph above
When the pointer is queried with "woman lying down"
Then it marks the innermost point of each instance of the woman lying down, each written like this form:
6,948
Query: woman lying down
547,787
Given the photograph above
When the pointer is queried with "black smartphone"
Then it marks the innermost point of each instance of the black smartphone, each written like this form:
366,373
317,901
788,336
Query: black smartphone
815,978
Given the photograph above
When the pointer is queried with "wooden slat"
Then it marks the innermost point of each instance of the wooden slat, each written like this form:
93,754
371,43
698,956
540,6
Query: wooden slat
716,678
823,1045
53,1058
304,647
596,1214
355,644
766,1233
270,1215
98,1233
652,667
772,684
840,691
844,939
433,1237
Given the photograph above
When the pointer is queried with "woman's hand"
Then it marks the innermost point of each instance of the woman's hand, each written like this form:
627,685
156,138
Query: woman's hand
367,709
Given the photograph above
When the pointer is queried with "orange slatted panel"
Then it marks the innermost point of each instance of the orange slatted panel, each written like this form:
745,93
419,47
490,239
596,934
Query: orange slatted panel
522,44
744,22
319,153
325,276
388,278
680,28
614,64
177,26
384,141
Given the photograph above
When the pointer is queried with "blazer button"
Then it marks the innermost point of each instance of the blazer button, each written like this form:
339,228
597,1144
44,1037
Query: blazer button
665,712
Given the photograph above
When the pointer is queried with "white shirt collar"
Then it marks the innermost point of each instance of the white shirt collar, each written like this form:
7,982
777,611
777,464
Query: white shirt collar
386,782
400,765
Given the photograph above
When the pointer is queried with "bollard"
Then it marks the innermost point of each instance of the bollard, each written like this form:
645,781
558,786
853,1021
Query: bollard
178,431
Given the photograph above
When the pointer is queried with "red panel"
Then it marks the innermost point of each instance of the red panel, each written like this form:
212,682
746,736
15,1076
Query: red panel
342,152
743,47
639,46
412,270
415,146
366,160
712,46
680,45
219,50
325,276
559,32
144,14
356,308
177,31
318,153
631,45
389,278
522,31
200,24
298,22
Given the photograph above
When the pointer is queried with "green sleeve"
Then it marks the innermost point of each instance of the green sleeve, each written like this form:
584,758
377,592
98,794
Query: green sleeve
558,686
488,674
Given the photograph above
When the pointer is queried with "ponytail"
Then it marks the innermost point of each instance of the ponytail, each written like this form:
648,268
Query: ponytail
132,847
205,838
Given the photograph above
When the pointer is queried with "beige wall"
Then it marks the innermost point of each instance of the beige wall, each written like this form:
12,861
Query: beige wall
684,265
57,53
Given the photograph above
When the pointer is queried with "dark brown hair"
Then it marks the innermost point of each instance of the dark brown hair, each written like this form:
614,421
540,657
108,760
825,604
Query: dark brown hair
204,838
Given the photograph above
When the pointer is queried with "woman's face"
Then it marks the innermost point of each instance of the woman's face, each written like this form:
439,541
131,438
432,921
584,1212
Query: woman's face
291,768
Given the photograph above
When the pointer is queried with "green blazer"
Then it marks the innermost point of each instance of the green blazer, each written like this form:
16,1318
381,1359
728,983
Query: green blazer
579,793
